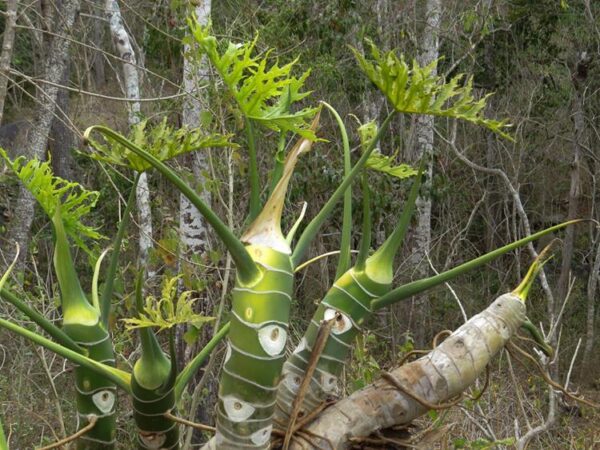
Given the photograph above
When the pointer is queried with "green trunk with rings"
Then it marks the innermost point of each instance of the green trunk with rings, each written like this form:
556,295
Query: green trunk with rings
255,353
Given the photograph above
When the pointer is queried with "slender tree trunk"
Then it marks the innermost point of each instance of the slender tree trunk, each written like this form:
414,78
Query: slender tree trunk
54,67
193,230
97,57
192,226
125,51
423,130
7,50
574,194
592,289
62,138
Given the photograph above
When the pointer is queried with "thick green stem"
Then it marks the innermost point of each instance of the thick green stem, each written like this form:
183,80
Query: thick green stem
109,281
77,310
152,386
259,328
380,266
344,260
279,162
96,394
365,240
252,171
247,271
312,228
117,376
3,442
416,287
59,335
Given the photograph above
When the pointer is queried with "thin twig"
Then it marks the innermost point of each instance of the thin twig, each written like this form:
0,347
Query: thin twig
189,423
381,441
572,364
319,346
437,337
92,419
312,415
485,385
512,346
394,382
412,353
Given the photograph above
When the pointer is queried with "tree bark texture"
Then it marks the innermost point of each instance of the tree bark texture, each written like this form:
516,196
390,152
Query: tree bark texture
125,51
192,226
62,138
592,289
437,377
193,229
7,50
97,57
54,67
421,239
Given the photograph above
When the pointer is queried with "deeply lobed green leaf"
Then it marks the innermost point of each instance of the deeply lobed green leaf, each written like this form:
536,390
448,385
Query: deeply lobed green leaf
262,90
53,192
161,141
417,90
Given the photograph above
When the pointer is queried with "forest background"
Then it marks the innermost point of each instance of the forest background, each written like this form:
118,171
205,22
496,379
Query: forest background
539,57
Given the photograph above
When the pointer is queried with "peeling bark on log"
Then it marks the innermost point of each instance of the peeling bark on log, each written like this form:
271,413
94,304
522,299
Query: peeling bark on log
437,377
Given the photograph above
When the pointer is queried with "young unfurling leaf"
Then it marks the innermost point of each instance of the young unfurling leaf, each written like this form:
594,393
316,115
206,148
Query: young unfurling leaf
262,89
168,311
53,192
379,162
417,90
383,163
161,141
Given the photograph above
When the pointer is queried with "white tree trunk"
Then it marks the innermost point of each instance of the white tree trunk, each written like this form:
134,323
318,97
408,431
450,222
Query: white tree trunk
125,51
192,226
193,230
54,67
423,130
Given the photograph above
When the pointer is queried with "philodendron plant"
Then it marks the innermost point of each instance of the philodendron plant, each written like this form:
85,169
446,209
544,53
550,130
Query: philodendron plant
266,260
261,392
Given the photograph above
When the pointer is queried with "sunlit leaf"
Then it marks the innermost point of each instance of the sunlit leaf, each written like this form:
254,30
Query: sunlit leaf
168,310
416,89
263,90
160,140
52,192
